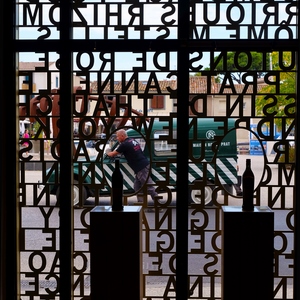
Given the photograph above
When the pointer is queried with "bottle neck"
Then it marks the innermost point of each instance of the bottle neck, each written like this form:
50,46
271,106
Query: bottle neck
248,163
117,163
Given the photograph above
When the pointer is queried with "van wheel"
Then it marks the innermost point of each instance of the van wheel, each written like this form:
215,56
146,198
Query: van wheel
76,194
195,196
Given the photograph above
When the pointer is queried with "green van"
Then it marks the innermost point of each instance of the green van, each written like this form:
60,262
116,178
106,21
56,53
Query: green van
212,161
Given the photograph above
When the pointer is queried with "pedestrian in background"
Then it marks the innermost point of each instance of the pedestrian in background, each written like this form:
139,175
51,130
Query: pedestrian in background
237,186
137,161
26,138
46,145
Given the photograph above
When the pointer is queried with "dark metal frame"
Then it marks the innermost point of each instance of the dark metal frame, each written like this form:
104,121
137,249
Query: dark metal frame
8,173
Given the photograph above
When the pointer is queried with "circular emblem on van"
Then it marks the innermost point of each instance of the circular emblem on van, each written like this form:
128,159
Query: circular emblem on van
210,134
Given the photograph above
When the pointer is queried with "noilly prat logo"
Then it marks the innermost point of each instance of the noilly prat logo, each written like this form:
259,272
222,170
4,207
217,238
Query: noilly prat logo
210,134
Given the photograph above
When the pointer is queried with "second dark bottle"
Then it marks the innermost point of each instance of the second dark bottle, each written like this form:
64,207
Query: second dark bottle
117,187
248,187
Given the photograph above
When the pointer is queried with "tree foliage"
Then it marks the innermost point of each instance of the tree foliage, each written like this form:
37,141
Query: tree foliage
238,63
278,98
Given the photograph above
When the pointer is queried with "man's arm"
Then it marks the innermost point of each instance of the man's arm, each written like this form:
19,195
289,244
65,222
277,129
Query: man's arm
111,153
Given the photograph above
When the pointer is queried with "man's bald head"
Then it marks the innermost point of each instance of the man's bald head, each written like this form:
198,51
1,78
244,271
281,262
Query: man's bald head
121,135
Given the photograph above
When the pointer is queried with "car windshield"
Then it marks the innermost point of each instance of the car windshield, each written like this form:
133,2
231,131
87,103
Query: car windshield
162,146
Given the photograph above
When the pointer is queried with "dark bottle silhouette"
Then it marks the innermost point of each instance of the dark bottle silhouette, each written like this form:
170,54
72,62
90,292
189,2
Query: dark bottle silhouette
248,187
117,187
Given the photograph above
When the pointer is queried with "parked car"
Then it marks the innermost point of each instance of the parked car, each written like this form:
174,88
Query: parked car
94,176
